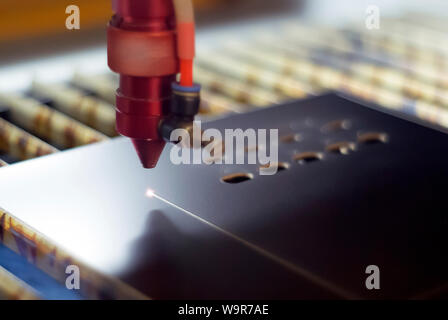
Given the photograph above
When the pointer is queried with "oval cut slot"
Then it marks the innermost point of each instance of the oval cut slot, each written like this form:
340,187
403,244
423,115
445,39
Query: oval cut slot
237,178
281,166
336,125
290,138
252,149
341,147
307,157
373,138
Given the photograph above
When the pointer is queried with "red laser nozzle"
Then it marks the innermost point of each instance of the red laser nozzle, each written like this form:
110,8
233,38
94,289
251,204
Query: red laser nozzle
148,151
145,41
142,50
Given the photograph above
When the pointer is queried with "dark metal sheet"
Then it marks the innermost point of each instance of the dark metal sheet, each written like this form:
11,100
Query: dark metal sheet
110,225
325,221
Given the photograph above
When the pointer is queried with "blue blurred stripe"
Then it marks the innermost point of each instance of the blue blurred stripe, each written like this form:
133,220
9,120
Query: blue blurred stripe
47,287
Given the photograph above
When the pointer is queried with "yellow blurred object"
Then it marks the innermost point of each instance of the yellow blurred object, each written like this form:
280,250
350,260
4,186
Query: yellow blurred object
31,18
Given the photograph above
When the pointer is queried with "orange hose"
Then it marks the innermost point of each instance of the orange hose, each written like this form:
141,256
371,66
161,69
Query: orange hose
186,72
185,39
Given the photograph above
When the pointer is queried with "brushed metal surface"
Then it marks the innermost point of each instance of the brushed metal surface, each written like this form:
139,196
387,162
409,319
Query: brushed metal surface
309,231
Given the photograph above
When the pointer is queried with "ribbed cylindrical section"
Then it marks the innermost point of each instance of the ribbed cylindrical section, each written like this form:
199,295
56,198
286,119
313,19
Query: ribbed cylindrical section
142,49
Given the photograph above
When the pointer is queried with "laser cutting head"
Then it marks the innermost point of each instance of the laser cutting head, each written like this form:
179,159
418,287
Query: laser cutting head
149,41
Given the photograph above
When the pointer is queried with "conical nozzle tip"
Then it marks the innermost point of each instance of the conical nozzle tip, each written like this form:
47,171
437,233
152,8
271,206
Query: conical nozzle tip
148,151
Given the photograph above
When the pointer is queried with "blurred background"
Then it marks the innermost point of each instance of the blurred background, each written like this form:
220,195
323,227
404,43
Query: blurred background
33,27
251,54
320,44
307,48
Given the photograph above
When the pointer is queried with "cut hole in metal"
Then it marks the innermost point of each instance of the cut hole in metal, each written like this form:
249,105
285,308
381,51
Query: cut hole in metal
252,149
336,126
281,166
237,178
215,146
290,138
307,157
341,147
373,138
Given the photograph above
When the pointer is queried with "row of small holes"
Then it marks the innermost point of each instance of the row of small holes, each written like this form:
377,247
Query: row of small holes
343,148
307,157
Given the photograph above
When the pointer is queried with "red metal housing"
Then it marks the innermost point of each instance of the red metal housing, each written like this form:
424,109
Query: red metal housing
142,49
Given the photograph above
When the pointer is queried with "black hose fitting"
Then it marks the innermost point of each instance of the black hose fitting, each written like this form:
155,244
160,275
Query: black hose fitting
185,103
